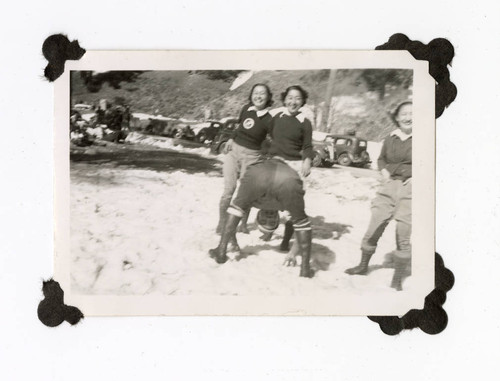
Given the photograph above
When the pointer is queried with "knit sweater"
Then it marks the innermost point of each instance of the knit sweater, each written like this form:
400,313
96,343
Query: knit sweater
254,125
291,136
395,157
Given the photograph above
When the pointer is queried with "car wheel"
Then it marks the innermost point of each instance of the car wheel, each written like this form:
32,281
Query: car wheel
344,160
202,137
316,161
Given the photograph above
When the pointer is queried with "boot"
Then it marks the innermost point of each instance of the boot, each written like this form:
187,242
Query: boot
223,205
304,238
285,243
233,246
228,235
362,268
242,228
400,267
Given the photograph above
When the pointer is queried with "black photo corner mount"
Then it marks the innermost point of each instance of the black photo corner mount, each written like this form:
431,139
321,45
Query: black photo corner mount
52,311
432,319
57,49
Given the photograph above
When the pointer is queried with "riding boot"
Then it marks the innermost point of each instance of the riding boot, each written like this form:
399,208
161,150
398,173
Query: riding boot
223,205
285,243
242,228
400,267
362,268
228,235
233,246
304,239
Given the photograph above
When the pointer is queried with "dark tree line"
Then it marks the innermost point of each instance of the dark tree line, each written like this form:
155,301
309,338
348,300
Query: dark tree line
223,75
93,82
377,80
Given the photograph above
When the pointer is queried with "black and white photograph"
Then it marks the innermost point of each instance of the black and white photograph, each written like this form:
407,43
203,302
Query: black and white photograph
245,183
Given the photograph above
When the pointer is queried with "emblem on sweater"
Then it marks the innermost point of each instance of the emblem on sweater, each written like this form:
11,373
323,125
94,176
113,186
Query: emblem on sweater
248,123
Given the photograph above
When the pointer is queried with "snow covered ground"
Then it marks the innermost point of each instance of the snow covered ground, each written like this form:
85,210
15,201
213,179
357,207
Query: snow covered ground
143,220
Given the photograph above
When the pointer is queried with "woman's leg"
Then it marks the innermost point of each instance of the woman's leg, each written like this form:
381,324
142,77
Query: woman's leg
381,213
248,157
402,258
230,170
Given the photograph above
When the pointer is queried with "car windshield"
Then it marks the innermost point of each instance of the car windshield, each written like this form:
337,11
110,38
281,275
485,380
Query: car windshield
341,141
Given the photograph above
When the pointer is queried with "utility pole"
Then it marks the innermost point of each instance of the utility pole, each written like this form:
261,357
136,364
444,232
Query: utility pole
328,100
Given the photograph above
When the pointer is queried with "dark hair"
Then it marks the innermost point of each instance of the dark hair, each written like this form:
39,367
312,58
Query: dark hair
304,93
397,109
400,106
270,101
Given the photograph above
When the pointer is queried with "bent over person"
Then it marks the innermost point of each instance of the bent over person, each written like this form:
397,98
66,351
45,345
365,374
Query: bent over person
269,184
393,200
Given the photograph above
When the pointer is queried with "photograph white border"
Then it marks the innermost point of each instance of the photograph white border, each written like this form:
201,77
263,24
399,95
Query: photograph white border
339,303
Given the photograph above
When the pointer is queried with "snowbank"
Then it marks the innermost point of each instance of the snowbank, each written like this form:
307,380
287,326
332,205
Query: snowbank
164,142
373,150
136,232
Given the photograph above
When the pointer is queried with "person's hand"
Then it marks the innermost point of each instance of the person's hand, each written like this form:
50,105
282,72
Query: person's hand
385,174
290,261
228,147
306,167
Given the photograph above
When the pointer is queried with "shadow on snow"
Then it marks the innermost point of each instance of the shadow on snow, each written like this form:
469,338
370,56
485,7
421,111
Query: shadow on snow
152,158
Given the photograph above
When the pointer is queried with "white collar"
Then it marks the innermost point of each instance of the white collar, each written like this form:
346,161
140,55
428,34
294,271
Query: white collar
300,116
258,112
400,134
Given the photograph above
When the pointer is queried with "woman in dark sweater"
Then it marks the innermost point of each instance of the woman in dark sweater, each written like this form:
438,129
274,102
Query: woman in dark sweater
393,200
245,146
291,134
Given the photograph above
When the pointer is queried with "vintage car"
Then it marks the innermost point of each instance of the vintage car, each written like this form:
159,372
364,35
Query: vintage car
224,134
184,131
324,151
162,127
348,150
207,131
351,150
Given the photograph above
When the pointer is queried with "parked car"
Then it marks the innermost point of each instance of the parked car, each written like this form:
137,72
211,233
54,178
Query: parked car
351,150
161,127
207,131
348,150
324,152
223,135
184,131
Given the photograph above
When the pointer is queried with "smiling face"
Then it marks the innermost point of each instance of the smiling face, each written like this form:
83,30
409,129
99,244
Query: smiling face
260,97
294,101
404,118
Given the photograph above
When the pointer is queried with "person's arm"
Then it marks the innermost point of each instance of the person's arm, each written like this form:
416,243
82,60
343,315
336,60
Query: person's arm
382,161
307,148
229,143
